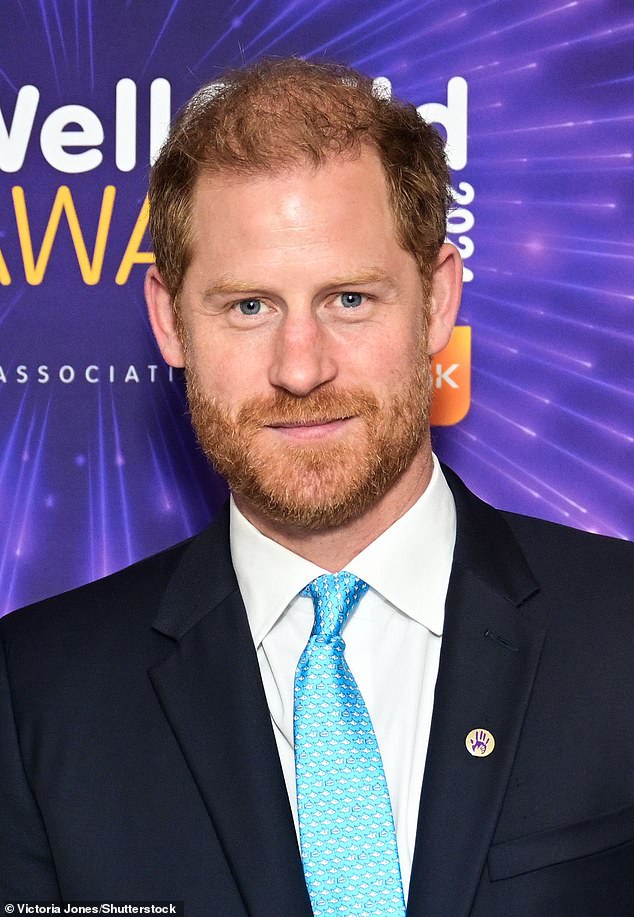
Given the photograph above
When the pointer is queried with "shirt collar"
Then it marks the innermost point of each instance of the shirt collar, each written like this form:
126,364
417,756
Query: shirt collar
268,574
408,564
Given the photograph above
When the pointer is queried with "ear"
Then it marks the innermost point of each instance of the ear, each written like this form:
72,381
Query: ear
161,311
445,297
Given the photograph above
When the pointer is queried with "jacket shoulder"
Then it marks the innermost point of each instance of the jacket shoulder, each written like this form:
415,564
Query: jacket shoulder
123,603
589,576
563,545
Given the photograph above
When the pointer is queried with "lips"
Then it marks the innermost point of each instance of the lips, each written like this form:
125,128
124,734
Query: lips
306,423
310,429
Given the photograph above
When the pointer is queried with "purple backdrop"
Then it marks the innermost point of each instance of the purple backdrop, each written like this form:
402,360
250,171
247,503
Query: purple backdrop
98,466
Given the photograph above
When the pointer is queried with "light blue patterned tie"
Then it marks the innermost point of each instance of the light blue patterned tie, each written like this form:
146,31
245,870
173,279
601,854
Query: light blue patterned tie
346,825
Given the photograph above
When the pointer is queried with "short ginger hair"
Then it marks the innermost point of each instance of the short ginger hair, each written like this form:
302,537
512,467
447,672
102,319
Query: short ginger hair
278,114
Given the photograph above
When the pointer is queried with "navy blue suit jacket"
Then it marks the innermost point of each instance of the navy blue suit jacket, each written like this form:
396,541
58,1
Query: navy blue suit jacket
138,762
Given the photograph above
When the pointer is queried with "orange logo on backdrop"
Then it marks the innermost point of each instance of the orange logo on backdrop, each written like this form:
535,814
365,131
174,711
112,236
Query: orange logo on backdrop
451,379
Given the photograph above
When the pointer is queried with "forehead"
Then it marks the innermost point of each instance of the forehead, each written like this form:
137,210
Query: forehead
343,201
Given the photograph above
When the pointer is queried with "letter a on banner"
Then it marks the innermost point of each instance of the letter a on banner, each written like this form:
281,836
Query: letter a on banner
132,255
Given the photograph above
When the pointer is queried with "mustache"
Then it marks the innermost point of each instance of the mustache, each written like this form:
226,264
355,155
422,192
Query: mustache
322,406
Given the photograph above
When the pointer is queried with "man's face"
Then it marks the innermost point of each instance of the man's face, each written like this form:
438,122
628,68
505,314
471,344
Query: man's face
304,336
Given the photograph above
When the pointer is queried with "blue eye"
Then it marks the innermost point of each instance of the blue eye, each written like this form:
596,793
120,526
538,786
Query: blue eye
351,300
250,306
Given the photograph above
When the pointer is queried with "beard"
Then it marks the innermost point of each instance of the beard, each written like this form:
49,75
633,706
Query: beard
314,485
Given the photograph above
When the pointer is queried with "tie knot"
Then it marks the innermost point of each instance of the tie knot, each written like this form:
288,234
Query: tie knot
335,596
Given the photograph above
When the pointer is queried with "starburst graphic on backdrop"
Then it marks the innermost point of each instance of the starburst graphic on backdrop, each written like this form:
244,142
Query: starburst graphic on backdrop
95,476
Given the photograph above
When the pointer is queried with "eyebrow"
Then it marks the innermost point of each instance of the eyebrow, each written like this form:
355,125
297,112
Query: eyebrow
363,277
229,286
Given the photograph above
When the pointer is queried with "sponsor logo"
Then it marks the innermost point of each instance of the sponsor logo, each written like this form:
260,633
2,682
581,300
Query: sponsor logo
451,379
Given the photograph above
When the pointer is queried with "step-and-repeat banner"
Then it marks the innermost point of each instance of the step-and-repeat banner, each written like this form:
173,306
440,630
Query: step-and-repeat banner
535,394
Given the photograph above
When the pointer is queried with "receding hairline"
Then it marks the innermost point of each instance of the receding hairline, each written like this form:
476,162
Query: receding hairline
286,166
279,115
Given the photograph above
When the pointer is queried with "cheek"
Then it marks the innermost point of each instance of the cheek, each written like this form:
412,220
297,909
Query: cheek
390,356
226,369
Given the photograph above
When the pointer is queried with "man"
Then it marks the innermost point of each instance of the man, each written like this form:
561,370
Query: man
174,732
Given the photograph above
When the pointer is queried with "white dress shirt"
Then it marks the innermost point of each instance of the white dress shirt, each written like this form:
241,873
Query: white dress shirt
392,638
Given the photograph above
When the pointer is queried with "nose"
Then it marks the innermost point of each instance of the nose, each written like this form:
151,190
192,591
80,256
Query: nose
303,357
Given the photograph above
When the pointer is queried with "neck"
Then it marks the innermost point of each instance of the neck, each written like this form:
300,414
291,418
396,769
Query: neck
333,548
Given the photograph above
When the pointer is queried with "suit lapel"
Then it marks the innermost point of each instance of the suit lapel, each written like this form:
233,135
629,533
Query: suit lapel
489,656
211,692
